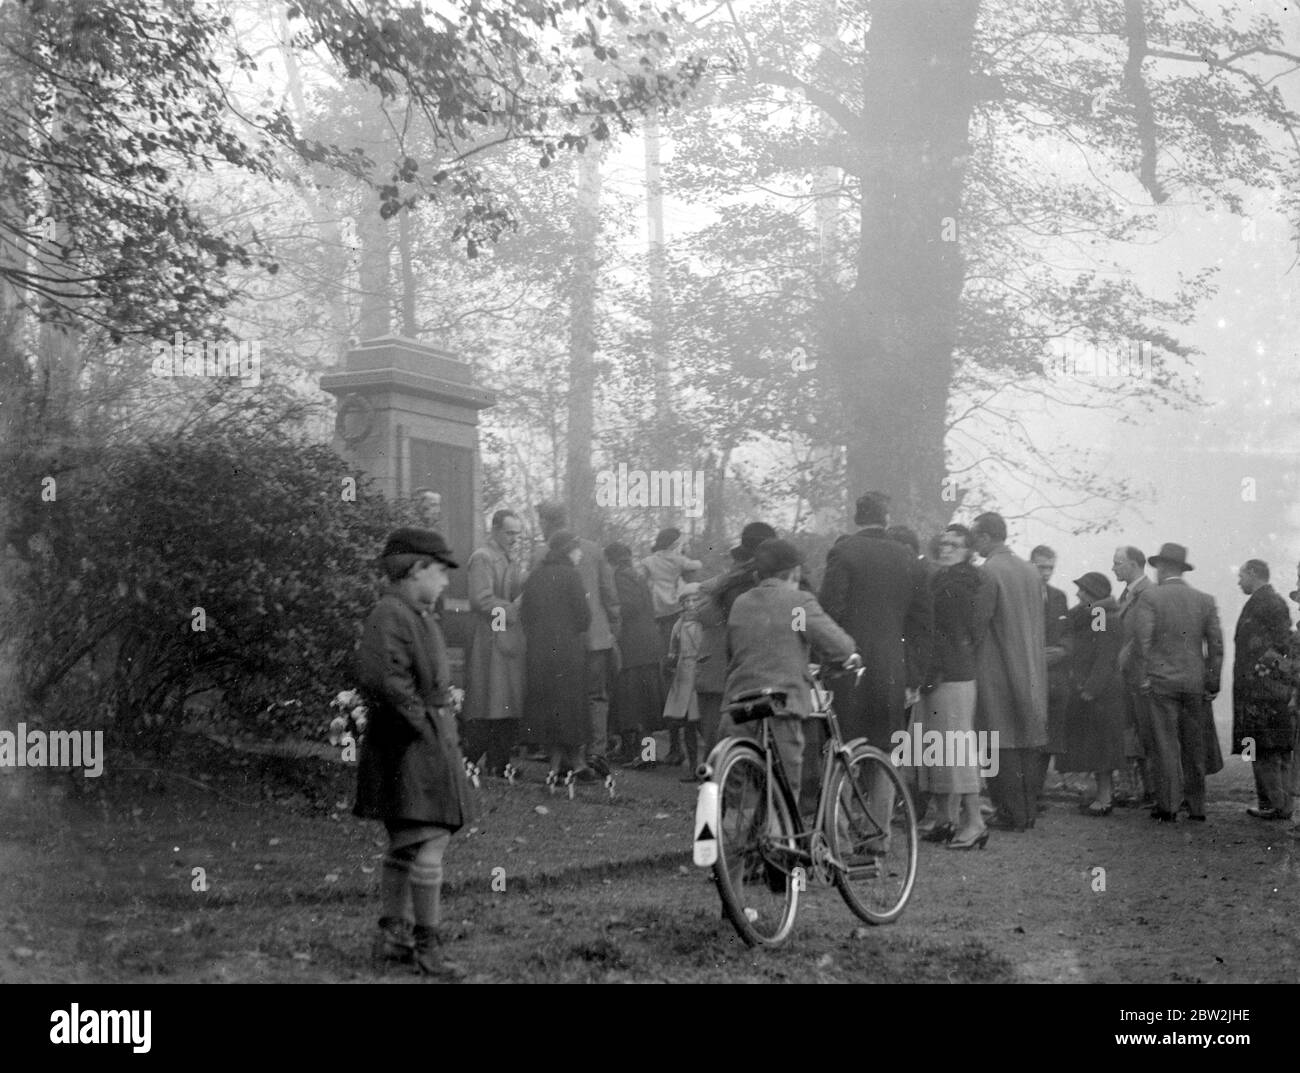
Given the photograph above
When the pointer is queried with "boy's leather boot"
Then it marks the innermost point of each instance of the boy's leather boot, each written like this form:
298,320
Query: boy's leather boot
428,956
393,943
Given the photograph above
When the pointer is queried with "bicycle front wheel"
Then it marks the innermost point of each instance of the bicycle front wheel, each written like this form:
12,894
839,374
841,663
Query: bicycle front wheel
871,828
756,850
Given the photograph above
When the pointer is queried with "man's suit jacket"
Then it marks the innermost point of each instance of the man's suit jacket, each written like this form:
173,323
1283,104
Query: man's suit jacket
1128,600
879,592
1058,636
765,651
1180,645
1056,627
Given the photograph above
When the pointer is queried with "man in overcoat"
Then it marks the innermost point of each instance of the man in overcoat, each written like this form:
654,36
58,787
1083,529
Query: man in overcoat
1261,691
879,592
1128,564
1011,672
494,675
1179,662
1056,624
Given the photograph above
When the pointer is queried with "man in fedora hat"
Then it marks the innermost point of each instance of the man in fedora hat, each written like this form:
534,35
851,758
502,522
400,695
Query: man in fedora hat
1178,662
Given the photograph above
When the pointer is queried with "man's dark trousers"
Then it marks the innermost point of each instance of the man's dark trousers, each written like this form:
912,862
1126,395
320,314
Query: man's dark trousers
1180,751
1015,788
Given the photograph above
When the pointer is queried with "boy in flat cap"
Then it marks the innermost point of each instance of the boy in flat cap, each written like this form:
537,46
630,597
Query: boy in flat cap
411,774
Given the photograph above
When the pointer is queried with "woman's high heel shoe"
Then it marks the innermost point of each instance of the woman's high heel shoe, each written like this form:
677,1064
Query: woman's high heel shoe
940,832
978,842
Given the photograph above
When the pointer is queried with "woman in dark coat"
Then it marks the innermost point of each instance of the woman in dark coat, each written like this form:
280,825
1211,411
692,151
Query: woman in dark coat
555,617
411,774
637,704
1095,718
948,698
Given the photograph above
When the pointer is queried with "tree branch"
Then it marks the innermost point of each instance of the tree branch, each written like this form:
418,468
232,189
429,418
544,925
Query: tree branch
1136,32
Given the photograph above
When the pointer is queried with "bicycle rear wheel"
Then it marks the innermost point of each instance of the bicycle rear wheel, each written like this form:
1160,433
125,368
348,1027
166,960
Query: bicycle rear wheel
756,854
871,828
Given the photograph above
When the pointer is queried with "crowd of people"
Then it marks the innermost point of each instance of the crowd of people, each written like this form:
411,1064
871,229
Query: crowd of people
580,654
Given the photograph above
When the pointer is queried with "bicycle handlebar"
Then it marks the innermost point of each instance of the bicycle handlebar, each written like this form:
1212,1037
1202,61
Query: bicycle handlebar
825,673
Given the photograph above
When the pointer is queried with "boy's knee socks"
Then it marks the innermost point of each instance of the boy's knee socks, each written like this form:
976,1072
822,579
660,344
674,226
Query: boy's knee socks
426,881
394,892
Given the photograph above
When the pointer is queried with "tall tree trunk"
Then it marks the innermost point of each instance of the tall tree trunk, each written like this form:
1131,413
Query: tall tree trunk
895,355
15,373
828,207
15,377
715,497
578,477
332,235
409,327
657,263
376,301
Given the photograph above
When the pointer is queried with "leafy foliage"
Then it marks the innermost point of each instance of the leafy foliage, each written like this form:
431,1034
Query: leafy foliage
102,107
1079,116
249,535
105,109
554,75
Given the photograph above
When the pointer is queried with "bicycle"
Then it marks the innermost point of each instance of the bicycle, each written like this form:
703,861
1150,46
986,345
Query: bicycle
749,829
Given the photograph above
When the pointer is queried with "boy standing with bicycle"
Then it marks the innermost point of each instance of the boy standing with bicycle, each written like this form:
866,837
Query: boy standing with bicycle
771,632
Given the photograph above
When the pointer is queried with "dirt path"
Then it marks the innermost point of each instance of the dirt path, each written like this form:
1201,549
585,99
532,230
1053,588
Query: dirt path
102,887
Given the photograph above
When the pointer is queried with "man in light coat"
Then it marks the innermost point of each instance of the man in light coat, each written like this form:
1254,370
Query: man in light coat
494,672
1129,566
1179,661
1011,672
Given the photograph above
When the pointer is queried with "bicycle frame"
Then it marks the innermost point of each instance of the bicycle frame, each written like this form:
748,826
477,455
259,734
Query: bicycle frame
848,841
836,751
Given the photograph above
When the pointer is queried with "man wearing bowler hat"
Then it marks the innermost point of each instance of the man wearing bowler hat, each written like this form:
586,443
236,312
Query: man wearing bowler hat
1178,662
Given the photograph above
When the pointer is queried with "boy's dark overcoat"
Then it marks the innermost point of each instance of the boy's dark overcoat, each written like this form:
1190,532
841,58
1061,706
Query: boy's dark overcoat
410,767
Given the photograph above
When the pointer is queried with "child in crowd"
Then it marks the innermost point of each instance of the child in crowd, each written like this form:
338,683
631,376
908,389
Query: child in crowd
663,569
682,710
411,774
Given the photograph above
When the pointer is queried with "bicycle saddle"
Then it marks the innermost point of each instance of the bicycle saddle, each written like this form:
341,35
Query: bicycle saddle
757,704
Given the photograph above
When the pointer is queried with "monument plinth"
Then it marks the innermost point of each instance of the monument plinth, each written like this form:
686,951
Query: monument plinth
408,418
